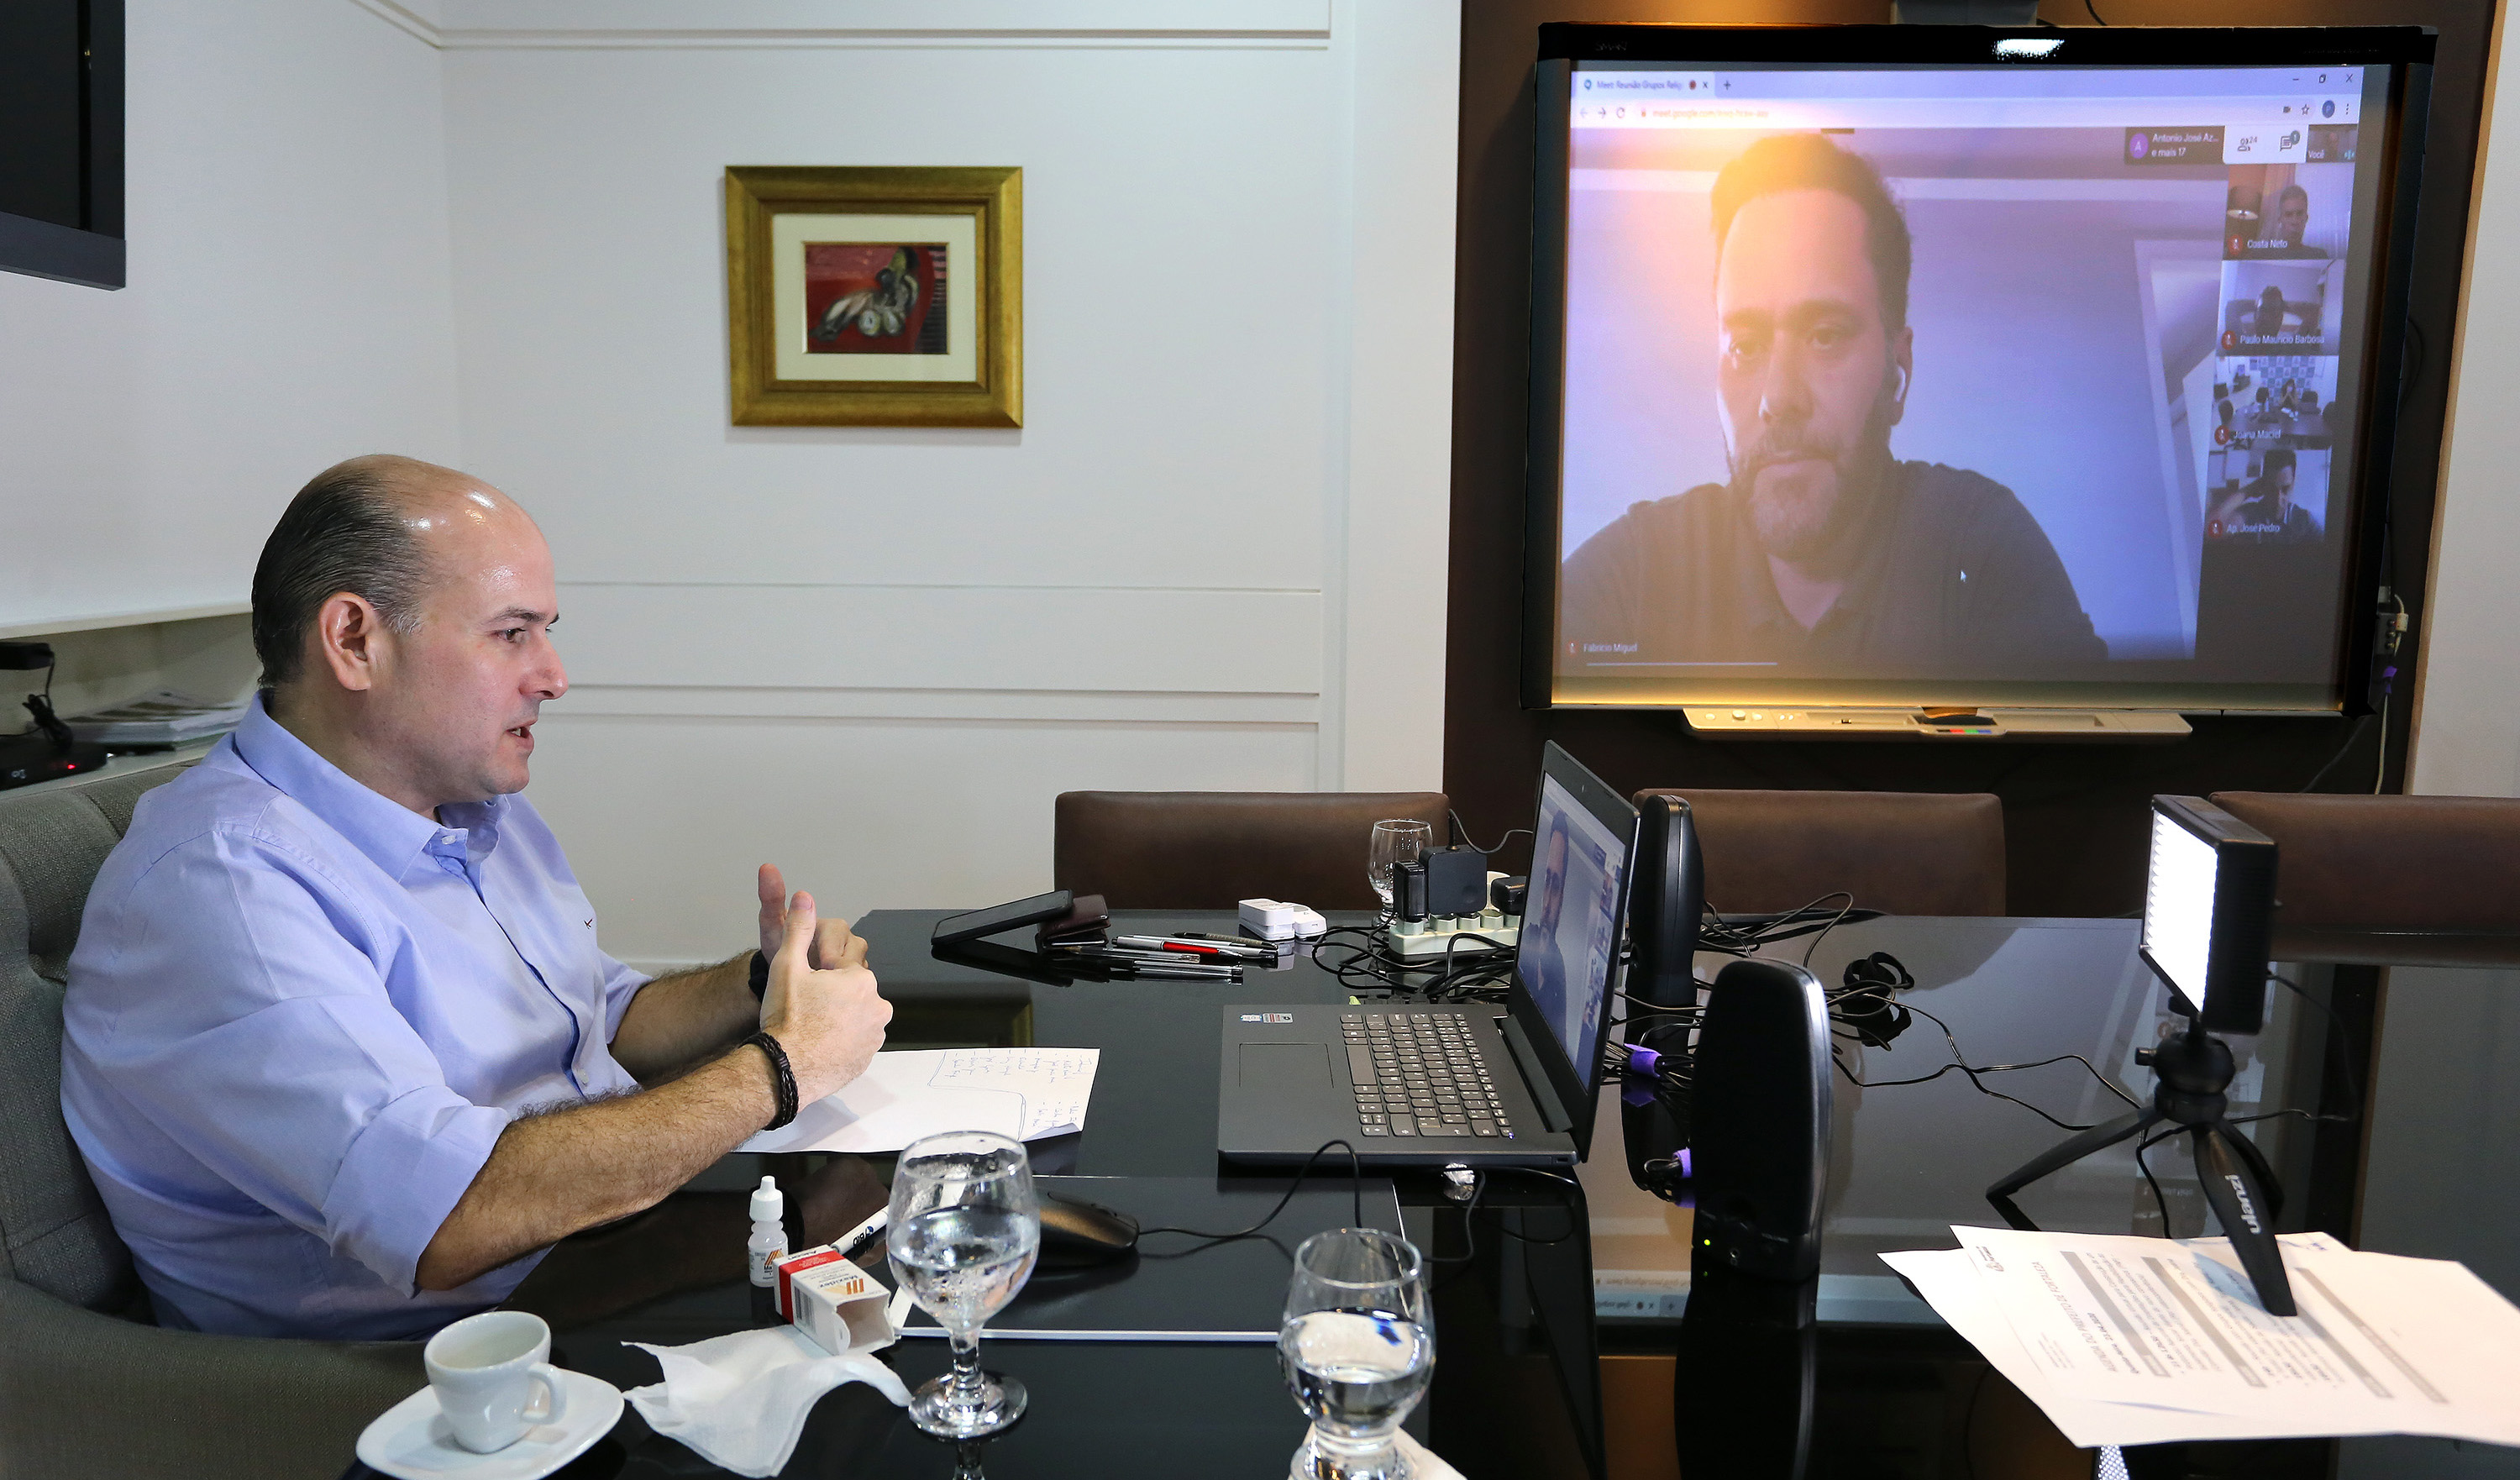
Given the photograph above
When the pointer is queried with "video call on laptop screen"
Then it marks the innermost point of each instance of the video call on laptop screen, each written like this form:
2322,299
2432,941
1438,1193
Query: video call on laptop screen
2094,424
1570,923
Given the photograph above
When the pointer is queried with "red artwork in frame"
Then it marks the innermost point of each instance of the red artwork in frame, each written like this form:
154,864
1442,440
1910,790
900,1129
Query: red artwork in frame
875,297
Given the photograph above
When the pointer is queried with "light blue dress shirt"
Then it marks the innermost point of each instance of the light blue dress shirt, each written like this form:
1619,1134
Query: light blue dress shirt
300,1014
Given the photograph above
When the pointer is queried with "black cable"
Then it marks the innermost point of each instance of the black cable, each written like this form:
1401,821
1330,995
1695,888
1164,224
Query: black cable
2342,1046
1573,1226
1824,930
1463,833
2096,13
1356,1182
1960,1062
1369,964
2353,738
1469,1229
2158,1201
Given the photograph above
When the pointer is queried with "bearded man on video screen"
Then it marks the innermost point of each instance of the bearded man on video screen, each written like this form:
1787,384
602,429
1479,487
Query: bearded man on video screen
1824,553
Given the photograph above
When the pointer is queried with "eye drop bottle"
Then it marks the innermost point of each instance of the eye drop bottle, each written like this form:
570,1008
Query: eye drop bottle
769,1242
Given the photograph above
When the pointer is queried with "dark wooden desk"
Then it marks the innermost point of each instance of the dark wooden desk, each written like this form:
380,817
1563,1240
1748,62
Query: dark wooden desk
1517,1381
1506,1402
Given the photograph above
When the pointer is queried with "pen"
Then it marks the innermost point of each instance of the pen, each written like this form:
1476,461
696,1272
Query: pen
1195,946
864,1234
1128,953
1235,942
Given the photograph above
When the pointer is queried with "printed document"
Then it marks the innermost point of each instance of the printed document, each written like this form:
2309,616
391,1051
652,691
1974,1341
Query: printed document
1026,1093
2127,1340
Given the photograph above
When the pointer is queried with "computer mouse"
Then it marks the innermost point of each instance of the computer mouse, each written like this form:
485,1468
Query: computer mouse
1075,1232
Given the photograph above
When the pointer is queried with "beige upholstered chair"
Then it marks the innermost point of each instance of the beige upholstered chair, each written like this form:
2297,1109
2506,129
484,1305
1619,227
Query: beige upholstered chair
88,1384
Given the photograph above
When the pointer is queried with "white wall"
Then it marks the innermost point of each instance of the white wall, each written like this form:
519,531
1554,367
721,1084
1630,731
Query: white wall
289,305
1212,559
2467,717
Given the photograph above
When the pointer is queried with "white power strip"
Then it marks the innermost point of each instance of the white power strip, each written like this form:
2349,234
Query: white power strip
1430,939
1477,934
1432,942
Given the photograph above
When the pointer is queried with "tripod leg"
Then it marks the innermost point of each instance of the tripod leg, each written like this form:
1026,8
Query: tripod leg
2255,1161
2065,1153
2232,1189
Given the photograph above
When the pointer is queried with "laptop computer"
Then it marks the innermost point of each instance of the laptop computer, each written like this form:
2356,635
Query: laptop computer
1412,1085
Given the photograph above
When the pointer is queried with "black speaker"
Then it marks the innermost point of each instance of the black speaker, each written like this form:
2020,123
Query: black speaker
1760,1122
1664,904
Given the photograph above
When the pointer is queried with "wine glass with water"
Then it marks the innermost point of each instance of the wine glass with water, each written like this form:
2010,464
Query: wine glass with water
1396,841
1357,1350
965,1229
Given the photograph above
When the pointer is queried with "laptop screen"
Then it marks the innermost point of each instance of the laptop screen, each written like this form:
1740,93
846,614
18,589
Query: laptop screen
1570,923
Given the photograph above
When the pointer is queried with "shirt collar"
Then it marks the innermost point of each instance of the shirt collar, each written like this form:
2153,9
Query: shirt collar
390,834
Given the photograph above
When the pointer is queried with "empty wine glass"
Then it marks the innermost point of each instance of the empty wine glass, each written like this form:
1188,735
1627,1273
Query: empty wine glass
1357,1350
964,1228
1396,841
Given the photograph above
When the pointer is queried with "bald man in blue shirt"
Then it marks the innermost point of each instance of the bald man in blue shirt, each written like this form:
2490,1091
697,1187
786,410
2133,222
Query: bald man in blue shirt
340,1049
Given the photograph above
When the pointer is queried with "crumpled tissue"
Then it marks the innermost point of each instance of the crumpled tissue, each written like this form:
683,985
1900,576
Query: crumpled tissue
739,1401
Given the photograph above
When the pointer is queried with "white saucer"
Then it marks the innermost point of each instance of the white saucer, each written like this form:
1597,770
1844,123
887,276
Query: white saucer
412,1442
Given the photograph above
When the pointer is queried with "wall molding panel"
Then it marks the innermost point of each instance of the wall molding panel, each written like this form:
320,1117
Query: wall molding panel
1106,639
611,25
954,705
1212,560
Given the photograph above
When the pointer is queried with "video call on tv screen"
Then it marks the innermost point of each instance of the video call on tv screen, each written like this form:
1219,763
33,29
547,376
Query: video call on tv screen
1989,383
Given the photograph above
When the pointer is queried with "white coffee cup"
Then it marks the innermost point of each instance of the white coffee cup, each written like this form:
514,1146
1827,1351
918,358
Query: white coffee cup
485,1369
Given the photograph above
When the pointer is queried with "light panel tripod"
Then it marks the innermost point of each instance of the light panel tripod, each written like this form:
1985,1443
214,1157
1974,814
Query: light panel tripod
2193,1071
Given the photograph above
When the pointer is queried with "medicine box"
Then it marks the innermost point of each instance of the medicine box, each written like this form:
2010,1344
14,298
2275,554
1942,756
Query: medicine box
833,1302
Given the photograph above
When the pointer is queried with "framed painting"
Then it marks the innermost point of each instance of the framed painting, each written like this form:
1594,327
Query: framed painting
875,297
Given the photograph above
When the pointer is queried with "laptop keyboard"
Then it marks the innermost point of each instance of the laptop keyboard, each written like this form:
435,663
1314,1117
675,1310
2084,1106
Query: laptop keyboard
1420,1074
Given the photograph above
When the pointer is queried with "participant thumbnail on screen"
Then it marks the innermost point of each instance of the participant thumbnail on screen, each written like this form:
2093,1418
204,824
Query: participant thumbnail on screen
2288,211
2282,307
2278,496
2274,401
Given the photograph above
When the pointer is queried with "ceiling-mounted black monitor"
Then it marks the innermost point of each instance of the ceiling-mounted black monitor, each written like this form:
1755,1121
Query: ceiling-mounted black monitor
61,118
1948,366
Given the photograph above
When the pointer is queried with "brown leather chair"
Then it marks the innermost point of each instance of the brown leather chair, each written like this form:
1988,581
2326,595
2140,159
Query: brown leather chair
2389,862
1206,850
1901,852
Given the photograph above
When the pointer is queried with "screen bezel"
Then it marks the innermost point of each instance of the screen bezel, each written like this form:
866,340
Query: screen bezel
95,253
2402,53
1577,1091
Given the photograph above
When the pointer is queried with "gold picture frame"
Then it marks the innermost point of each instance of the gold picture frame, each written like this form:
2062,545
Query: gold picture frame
874,295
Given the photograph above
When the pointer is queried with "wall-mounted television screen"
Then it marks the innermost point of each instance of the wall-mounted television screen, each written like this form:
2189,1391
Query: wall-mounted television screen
1943,365
61,139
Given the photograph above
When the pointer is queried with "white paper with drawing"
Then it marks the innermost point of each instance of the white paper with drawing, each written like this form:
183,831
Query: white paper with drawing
1027,1094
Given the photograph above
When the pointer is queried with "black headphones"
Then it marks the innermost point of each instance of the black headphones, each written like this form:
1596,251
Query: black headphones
1869,1000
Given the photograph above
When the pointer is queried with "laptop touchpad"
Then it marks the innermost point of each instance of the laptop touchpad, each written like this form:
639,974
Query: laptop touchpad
1285,1063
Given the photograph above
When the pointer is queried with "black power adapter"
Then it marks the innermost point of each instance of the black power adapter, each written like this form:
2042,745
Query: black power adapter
1457,881
49,750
